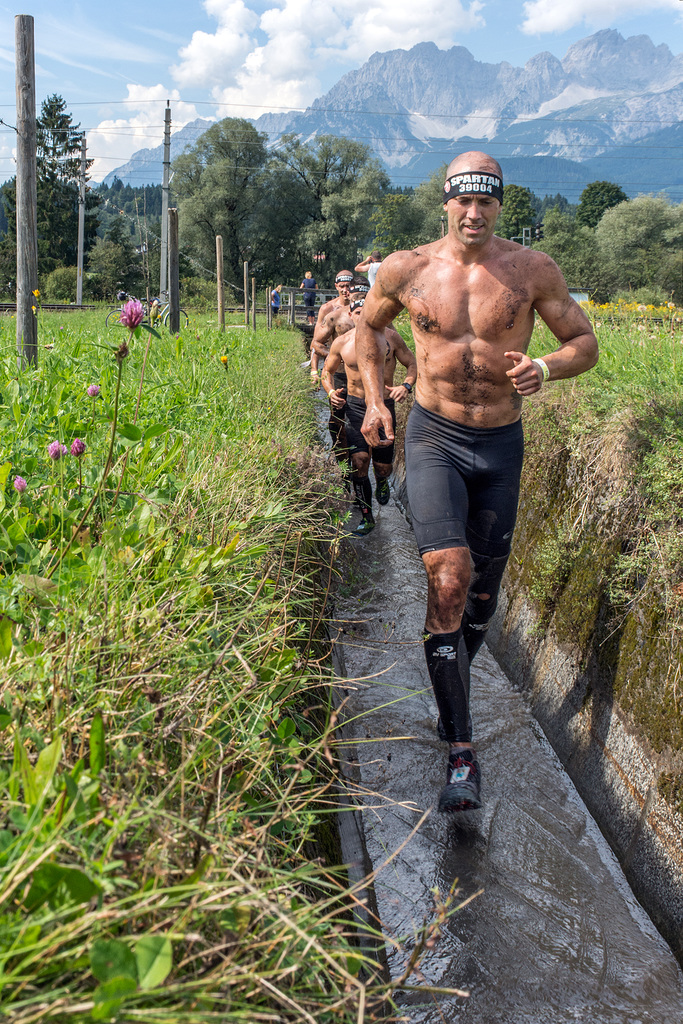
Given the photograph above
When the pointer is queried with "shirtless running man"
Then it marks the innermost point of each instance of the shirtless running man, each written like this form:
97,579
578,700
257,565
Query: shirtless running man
343,349
471,298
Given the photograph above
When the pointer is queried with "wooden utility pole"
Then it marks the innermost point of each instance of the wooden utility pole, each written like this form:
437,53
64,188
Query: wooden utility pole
173,273
246,294
81,225
165,188
27,196
253,303
219,282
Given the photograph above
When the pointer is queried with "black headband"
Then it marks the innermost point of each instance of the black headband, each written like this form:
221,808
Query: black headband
473,183
357,304
360,288
343,279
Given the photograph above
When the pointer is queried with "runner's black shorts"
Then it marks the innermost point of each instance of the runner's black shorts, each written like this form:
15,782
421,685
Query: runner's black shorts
355,442
339,380
463,483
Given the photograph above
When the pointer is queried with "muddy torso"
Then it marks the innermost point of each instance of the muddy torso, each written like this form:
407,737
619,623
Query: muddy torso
350,362
464,318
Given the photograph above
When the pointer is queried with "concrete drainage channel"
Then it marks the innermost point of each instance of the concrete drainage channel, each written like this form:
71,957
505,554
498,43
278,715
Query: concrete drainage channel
555,934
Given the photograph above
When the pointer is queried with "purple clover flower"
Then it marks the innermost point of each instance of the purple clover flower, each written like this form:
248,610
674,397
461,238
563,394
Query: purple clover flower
56,450
20,484
132,314
77,447
94,390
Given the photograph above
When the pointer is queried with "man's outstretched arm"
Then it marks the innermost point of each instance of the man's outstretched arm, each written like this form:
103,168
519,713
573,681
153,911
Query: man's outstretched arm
380,308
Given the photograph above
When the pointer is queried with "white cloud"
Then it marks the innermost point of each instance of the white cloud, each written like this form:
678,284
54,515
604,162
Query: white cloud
114,141
210,59
277,59
560,15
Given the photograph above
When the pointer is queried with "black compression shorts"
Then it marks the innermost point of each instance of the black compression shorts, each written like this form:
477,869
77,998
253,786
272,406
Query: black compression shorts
463,483
355,414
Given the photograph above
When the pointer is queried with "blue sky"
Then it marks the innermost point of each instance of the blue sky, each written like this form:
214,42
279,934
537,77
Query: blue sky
116,64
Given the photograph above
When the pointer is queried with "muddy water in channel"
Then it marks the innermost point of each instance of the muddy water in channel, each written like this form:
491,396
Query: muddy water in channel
556,936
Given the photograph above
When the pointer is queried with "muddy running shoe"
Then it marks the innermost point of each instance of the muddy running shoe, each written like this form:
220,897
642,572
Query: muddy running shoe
382,492
365,525
463,779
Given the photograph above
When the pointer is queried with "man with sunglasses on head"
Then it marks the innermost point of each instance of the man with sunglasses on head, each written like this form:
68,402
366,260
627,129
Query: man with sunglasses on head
472,299
351,397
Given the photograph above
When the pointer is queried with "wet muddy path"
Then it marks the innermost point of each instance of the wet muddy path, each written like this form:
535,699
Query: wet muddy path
556,935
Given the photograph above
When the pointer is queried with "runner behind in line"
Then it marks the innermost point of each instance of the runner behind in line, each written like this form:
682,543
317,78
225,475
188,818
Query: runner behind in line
472,298
338,311
343,350
342,282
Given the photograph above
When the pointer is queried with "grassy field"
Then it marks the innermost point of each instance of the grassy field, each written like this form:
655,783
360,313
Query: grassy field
166,753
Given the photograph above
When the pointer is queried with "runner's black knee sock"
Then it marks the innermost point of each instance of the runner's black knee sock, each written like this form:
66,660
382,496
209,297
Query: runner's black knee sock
486,579
449,671
363,491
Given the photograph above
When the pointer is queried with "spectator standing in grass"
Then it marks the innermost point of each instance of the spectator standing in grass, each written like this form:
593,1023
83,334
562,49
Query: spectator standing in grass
309,287
275,300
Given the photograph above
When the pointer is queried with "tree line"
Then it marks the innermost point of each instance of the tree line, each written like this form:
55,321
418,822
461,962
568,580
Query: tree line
313,205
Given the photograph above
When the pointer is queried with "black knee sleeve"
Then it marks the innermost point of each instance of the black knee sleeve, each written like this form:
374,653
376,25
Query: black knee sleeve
449,671
486,579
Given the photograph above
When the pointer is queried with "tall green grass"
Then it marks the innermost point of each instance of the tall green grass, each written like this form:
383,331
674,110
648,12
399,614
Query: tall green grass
166,759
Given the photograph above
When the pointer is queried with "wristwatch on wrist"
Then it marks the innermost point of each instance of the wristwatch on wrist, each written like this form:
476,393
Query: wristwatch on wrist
408,387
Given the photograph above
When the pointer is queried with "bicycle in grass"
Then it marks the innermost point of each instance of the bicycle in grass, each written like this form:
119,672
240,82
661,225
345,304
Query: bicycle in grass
163,315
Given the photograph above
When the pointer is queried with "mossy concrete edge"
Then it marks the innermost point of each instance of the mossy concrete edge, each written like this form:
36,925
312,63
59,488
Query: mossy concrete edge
610,766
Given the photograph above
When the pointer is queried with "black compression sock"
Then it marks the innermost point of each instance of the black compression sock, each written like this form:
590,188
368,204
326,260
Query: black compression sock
363,491
473,635
449,671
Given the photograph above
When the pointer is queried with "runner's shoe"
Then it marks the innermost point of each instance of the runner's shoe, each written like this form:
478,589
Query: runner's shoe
463,780
382,492
365,525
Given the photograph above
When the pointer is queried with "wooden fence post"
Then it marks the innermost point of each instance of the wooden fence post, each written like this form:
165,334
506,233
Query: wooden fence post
219,282
269,308
174,274
291,306
27,201
246,294
253,303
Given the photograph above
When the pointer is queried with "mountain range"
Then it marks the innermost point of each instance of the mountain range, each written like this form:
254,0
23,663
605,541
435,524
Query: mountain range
608,110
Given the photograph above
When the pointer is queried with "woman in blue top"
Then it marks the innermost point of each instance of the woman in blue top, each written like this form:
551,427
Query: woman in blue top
275,300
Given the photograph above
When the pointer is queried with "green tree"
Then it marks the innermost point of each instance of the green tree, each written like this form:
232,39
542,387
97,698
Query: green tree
336,184
519,211
222,189
595,199
639,242
114,264
575,250
58,162
404,221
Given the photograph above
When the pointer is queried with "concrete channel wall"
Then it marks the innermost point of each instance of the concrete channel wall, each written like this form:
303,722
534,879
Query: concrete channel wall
610,765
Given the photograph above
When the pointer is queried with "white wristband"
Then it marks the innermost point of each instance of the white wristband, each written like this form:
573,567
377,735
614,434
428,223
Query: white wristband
543,368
